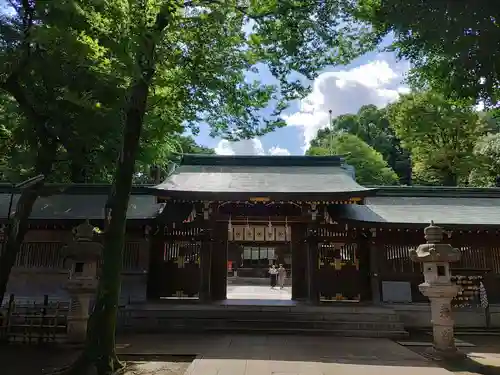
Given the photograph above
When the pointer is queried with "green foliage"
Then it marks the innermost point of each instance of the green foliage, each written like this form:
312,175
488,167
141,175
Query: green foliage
452,45
369,164
439,133
80,60
487,169
372,126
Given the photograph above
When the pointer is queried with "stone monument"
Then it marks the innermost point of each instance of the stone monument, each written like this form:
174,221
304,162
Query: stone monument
84,252
438,287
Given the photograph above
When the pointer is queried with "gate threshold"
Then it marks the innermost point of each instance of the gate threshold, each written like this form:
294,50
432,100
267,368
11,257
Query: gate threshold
258,302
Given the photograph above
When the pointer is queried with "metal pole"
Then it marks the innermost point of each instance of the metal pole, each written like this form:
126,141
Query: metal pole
330,126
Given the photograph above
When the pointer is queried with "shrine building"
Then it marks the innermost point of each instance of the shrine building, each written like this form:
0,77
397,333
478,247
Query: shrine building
220,218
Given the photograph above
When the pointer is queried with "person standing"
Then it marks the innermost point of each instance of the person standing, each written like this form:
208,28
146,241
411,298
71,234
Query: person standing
273,274
281,276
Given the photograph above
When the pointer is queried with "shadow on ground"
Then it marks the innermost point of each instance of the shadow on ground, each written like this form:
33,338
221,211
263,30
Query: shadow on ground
470,365
481,352
289,348
19,359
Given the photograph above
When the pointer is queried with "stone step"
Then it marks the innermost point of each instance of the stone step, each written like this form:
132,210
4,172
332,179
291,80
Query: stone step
169,323
361,330
265,315
346,320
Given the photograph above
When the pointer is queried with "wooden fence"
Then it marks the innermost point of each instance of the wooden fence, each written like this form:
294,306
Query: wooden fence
33,322
50,255
478,264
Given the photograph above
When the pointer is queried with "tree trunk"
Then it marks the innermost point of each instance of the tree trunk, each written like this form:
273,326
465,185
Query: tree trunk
17,228
47,150
100,346
99,351
450,178
78,172
18,224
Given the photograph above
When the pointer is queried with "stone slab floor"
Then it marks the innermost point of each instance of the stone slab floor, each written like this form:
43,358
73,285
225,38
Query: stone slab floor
260,292
283,354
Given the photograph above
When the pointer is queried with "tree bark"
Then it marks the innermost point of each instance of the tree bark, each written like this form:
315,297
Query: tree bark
18,223
47,149
100,347
450,178
78,170
99,351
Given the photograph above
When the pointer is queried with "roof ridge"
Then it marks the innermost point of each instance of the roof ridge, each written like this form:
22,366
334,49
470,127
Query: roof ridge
262,160
438,191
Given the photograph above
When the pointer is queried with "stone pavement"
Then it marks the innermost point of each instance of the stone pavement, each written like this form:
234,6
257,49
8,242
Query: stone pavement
260,292
219,354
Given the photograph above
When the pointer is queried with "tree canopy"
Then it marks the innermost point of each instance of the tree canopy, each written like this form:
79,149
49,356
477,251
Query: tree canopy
486,171
439,133
371,125
369,164
452,45
425,138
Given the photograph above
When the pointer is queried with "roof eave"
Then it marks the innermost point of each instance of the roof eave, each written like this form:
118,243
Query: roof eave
245,196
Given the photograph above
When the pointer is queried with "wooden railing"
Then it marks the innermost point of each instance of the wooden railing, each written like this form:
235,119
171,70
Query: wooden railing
482,262
50,255
33,322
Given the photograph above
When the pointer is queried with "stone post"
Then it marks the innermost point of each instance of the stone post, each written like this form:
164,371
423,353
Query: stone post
84,253
438,287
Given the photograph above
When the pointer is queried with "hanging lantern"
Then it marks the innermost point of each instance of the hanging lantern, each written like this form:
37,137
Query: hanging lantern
269,225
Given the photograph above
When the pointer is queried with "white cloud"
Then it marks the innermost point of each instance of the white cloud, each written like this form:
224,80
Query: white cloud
247,147
275,150
345,91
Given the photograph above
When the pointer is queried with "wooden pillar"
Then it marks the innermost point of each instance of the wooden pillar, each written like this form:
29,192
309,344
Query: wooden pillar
374,268
205,255
312,267
218,266
155,276
364,273
299,262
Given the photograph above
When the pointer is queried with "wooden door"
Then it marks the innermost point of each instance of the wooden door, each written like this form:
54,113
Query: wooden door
338,272
181,269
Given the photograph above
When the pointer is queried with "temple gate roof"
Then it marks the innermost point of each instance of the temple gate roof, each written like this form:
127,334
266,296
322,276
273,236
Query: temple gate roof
215,177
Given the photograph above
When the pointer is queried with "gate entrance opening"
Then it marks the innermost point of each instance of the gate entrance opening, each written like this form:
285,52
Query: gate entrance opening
259,262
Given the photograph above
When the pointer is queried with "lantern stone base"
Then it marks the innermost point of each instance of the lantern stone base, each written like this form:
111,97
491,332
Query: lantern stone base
77,330
440,296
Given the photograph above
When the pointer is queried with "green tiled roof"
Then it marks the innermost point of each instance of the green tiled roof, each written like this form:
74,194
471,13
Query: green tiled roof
419,210
309,177
81,206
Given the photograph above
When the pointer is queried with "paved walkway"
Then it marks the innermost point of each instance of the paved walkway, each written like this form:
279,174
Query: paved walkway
260,292
283,355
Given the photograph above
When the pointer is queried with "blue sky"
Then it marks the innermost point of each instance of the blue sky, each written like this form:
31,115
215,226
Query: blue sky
374,78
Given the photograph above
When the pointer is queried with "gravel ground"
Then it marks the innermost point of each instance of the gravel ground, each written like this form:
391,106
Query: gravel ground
38,360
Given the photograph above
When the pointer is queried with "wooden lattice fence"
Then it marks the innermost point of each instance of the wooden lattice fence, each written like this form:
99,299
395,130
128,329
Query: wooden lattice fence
477,264
33,322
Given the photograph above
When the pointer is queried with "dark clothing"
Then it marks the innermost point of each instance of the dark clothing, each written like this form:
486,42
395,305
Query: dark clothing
273,278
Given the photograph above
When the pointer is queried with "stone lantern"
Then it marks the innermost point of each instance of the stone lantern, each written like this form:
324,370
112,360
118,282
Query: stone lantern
84,253
438,287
